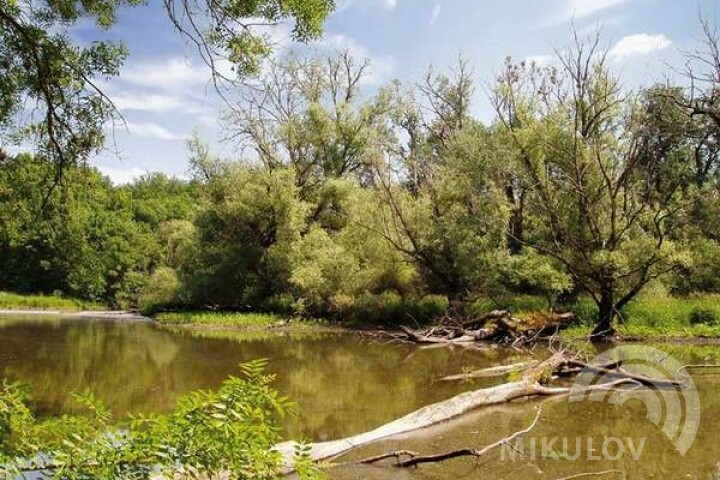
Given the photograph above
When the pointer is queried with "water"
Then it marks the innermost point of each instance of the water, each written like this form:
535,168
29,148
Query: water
344,384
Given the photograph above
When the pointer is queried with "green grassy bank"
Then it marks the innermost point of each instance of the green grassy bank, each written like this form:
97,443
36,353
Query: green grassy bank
15,301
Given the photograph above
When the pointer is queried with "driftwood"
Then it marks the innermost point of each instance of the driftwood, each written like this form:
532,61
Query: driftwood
534,380
497,326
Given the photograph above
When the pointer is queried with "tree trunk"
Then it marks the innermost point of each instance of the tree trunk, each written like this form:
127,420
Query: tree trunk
606,313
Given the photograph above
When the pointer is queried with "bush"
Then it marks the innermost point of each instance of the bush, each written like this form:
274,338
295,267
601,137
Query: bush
283,304
704,316
586,312
161,290
389,308
228,432
427,308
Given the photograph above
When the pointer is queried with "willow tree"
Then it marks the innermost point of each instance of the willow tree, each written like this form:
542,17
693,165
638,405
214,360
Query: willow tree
603,195
49,90
311,115
440,202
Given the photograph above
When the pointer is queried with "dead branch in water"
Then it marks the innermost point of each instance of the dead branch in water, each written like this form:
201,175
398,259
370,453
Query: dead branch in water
416,459
498,326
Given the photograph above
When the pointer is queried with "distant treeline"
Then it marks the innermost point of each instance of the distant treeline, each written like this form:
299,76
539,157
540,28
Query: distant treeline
397,204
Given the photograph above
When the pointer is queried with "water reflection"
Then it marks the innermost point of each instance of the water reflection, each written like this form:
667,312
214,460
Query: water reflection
341,383
344,385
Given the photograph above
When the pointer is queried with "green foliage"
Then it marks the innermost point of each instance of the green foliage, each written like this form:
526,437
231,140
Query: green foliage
230,431
41,65
389,308
161,289
245,235
225,319
704,316
702,272
512,303
80,240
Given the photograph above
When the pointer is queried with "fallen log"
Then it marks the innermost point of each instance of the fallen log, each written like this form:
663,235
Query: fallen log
483,319
615,370
416,459
530,384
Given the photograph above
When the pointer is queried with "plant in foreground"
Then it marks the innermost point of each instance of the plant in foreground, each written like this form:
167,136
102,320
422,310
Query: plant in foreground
229,432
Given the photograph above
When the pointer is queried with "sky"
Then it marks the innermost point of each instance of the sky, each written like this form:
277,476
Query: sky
165,96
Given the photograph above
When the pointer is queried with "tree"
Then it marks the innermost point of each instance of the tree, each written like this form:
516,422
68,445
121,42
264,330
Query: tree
440,201
603,197
83,242
244,236
309,115
41,68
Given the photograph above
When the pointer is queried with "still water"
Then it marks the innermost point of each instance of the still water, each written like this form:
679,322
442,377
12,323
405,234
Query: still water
343,385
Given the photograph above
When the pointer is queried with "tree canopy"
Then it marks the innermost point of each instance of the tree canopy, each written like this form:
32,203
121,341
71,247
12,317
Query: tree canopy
50,94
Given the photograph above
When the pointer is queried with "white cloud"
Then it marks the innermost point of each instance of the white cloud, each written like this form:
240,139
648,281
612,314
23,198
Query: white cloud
121,176
148,102
639,44
579,9
152,130
435,14
168,74
381,66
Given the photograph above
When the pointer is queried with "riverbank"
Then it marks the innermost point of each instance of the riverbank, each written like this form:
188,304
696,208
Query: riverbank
39,303
651,318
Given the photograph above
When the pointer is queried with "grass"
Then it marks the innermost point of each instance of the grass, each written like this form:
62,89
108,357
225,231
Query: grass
228,319
16,301
660,317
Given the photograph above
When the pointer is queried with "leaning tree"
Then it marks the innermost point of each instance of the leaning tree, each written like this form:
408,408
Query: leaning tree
605,181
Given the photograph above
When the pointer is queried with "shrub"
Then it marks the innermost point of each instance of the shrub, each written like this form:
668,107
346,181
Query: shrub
162,289
427,308
385,308
586,312
704,316
283,303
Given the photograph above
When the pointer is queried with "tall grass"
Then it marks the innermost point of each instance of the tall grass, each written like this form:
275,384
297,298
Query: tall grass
659,316
15,301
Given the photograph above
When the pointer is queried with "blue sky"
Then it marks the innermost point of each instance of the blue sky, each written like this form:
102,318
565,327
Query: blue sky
164,93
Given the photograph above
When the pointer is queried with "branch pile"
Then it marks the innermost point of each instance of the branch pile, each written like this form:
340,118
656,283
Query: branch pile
498,326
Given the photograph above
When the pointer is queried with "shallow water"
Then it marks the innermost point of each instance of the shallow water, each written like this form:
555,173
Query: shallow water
344,384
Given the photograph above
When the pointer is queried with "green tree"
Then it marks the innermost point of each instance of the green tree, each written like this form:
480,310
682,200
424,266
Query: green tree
440,200
83,242
40,65
244,236
603,198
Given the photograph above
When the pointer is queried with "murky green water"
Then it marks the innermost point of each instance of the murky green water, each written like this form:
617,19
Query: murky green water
345,385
